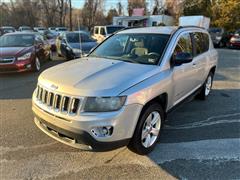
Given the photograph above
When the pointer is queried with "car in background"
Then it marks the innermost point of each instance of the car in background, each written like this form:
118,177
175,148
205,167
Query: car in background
6,29
219,36
25,29
235,40
22,51
40,29
75,44
52,29
61,29
102,32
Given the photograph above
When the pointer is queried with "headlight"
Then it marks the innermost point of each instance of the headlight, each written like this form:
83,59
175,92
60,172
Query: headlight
104,104
24,57
77,51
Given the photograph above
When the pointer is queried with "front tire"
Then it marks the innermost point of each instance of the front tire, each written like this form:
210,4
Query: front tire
148,128
37,65
206,88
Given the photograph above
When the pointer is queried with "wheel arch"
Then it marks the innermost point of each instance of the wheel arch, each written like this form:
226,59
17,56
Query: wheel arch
161,99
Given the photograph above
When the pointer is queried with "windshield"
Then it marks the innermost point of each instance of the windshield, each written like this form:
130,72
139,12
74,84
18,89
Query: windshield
111,30
41,29
134,48
8,30
26,28
238,32
215,30
18,40
62,29
75,38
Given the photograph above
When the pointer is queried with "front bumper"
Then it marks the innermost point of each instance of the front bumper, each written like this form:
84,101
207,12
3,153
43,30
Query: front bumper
78,133
234,44
16,67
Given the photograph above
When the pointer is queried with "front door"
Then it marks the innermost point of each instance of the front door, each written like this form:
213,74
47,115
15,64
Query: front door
183,81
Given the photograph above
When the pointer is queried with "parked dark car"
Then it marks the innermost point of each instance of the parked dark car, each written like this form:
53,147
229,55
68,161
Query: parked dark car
219,36
74,44
235,40
22,51
6,29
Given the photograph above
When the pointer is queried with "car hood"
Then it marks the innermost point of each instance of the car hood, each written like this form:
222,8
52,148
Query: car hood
13,51
86,46
96,76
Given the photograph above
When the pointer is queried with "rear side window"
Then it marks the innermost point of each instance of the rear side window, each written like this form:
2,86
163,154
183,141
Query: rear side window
201,42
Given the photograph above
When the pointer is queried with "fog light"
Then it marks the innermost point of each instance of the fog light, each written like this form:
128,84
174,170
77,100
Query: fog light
104,131
28,66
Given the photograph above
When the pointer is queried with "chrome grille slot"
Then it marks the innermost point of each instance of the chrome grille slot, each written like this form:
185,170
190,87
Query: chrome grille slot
45,97
39,93
74,106
65,103
50,99
58,102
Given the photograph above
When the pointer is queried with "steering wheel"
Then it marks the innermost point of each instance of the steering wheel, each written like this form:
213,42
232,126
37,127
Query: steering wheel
153,54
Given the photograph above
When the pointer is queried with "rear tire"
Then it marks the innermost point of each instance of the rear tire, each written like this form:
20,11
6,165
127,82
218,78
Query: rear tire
206,88
148,129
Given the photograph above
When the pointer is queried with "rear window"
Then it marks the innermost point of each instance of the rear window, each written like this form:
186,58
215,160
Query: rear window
201,42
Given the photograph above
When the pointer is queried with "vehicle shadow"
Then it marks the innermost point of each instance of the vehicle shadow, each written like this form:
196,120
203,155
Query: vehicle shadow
199,134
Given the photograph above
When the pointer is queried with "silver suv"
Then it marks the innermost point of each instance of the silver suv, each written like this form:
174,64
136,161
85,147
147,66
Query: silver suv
122,91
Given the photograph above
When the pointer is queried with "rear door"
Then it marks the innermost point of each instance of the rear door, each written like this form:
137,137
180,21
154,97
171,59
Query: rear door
200,52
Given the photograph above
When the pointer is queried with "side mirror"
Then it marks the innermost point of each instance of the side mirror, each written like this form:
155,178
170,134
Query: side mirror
181,58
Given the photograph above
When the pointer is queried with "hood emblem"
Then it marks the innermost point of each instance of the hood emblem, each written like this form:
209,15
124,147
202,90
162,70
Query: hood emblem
53,87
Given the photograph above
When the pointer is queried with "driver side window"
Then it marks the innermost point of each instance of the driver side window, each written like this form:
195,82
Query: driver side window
184,45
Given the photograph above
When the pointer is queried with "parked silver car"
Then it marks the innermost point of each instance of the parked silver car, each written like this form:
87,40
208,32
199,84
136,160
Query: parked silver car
121,93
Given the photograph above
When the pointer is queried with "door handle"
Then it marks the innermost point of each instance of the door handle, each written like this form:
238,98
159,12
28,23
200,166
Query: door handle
194,65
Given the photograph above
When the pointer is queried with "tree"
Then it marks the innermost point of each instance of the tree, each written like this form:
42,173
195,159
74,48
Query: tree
111,13
70,15
197,7
92,10
175,8
119,9
226,13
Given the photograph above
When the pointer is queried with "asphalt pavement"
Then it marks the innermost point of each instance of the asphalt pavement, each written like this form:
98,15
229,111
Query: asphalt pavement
200,140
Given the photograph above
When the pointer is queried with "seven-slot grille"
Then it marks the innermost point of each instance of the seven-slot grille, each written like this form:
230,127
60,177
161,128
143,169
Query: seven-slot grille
58,102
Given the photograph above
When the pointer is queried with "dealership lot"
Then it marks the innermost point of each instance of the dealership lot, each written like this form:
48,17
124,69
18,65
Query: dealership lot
200,139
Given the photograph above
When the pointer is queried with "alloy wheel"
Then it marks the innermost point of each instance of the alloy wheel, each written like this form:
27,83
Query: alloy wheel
151,129
208,85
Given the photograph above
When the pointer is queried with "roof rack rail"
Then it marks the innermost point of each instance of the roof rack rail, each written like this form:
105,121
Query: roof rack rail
180,27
